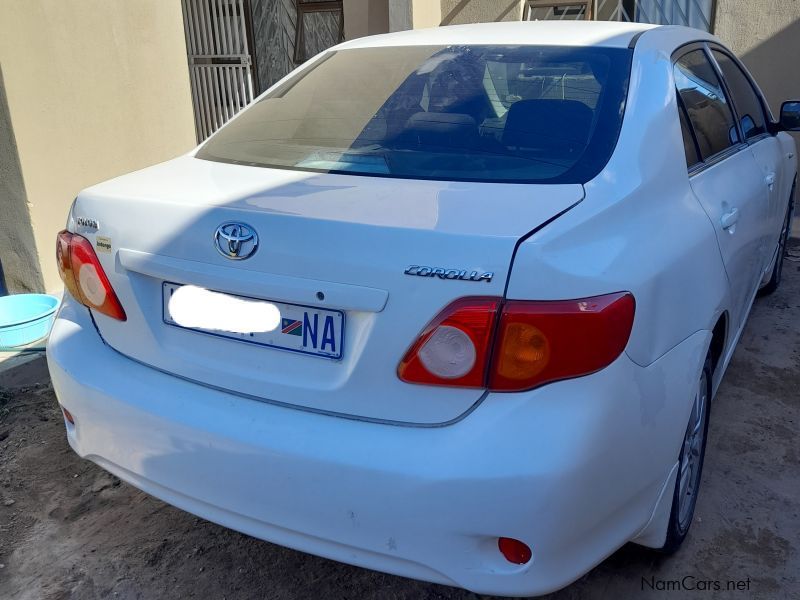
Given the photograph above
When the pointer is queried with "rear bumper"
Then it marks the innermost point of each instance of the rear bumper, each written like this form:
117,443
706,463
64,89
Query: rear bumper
573,469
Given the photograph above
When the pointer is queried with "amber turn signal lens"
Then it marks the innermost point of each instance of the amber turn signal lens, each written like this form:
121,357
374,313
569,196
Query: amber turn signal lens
517,345
525,352
543,341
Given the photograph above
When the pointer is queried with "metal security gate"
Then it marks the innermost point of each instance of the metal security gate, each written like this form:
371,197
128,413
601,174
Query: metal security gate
543,10
693,13
218,43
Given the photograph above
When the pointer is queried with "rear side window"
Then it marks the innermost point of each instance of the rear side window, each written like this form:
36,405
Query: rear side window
706,105
747,103
544,114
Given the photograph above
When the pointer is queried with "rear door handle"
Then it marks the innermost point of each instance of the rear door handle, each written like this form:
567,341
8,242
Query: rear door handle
729,219
770,180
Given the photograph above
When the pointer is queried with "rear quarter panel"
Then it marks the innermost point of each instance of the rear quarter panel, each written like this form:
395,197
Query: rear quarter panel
640,227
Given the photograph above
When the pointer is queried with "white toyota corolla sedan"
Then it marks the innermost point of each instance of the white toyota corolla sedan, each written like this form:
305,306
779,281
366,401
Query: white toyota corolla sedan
449,303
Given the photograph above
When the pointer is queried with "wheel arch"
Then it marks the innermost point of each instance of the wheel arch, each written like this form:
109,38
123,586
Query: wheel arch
719,337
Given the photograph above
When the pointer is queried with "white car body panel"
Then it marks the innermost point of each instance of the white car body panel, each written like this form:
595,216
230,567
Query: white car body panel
617,239
609,34
341,458
317,232
743,244
769,152
358,492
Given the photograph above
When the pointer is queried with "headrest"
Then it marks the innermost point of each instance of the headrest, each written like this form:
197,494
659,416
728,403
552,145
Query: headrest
544,123
441,129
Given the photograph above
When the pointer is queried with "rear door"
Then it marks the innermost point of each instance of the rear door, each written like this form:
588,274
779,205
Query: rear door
753,119
726,178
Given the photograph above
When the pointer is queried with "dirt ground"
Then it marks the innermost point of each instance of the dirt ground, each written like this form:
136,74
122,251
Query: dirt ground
69,530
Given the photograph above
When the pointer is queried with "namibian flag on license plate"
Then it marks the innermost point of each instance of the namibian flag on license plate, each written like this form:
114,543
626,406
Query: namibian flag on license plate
292,327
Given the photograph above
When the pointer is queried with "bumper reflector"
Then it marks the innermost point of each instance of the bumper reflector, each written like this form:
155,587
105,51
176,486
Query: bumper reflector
514,551
68,415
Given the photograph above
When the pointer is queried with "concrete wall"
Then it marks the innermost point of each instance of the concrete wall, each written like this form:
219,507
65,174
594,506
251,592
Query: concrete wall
414,14
94,89
378,16
417,14
766,36
19,263
365,17
426,13
480,11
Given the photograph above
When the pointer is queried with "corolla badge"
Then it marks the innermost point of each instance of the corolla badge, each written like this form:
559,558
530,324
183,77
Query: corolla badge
87,222
460,274
236,241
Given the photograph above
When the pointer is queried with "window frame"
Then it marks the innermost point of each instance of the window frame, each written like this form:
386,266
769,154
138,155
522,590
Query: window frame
706,163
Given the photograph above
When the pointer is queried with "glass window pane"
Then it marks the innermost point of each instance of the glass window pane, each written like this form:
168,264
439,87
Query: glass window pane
480,113
688,140
706,104
748,106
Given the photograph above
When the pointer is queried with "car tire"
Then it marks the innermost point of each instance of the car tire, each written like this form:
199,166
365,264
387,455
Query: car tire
777,270
690,465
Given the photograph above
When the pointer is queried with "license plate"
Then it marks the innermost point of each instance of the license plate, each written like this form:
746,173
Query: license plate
304,329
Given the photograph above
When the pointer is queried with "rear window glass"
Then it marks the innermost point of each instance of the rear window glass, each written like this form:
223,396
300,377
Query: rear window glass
475,113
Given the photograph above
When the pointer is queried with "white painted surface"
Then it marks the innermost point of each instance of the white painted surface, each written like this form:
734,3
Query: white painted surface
347,237
562,467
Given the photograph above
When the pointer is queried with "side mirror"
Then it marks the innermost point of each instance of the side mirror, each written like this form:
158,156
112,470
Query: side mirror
790,115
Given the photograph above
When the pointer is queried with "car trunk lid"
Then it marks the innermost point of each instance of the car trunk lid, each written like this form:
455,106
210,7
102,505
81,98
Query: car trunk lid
331,242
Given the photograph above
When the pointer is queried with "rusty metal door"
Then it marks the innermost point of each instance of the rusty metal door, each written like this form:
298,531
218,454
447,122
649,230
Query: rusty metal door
219,47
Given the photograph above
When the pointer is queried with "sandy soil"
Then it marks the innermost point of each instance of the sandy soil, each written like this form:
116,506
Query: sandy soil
69,530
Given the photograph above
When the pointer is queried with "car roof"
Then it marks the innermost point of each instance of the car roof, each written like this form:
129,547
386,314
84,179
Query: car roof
610,34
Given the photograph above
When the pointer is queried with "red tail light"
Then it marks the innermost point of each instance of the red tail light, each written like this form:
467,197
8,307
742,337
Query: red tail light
535,343
84,277
454,348
540,342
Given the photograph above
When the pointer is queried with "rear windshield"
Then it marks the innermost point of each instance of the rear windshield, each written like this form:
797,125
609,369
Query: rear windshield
466,113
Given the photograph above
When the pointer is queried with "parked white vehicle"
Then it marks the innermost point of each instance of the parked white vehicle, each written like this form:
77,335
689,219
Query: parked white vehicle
477,287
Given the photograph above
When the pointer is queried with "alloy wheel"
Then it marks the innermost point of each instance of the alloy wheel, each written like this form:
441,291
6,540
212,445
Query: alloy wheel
691,455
